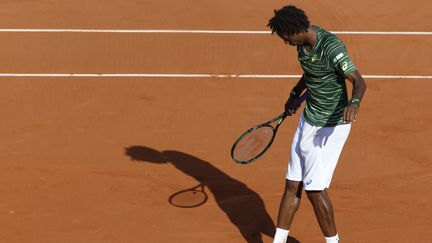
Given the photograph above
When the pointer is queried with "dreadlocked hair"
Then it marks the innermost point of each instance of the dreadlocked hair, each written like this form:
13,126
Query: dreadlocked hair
288,20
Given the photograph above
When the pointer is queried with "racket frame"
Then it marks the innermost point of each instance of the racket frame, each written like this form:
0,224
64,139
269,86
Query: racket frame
280,117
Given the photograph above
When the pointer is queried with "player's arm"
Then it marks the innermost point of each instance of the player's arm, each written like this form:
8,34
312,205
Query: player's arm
359,88
294,94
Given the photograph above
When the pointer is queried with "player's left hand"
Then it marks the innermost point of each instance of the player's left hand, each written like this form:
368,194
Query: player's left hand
351,113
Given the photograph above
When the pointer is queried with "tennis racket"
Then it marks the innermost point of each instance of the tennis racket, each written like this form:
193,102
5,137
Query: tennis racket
189,198
253,143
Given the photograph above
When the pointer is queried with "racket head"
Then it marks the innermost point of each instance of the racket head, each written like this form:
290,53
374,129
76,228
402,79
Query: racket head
189,198
253,144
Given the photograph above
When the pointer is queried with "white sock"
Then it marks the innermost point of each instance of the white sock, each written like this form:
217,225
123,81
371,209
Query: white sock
333,239
281,235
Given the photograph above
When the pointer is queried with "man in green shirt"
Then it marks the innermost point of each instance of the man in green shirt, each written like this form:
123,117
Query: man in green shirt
326,121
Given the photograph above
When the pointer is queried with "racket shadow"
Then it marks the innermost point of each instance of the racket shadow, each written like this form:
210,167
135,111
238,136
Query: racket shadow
243,206
189,198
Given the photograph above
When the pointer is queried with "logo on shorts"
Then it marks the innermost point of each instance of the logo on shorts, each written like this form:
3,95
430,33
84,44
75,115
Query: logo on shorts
308,182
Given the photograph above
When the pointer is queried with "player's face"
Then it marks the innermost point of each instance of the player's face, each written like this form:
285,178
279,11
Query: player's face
293,40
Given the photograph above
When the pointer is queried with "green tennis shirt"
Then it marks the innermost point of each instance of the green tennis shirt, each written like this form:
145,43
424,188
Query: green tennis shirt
325,68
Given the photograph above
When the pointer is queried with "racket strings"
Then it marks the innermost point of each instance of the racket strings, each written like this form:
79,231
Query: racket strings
253,144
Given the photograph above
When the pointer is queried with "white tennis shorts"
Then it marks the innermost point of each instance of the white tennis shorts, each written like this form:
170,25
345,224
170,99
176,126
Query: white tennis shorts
315,153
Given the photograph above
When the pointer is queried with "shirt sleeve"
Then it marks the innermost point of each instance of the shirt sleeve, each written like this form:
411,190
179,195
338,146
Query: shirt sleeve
339,58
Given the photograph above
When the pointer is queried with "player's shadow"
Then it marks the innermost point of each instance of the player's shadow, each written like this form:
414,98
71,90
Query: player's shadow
244,207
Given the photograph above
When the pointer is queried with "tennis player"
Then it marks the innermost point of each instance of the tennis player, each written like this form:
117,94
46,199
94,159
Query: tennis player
325,122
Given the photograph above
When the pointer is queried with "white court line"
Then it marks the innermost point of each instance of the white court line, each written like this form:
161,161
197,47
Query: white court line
172,75
202,75
210,31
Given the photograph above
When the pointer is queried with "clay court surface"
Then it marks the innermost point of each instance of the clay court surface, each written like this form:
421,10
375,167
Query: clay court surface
95,159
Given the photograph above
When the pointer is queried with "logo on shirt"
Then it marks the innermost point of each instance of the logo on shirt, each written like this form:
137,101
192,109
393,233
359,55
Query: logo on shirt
314,58
344,66
308,182
339,56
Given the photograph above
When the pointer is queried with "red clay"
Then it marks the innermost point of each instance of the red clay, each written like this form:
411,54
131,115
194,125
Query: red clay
96,159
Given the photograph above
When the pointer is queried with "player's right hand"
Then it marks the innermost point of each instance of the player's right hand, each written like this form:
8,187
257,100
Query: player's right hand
291,105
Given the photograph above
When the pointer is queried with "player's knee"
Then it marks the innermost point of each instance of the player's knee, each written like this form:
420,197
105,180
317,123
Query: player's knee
293,188
315,196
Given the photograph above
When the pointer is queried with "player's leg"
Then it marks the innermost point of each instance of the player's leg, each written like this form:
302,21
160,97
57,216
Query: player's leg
323,211
291,197
321,158
289,204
